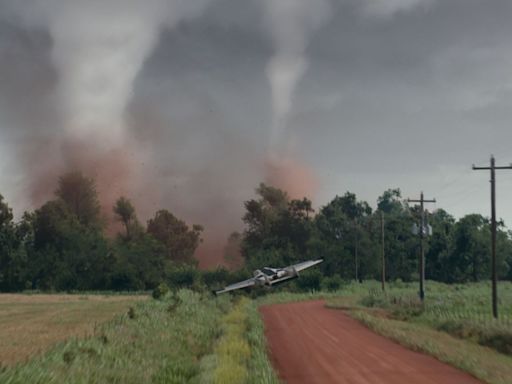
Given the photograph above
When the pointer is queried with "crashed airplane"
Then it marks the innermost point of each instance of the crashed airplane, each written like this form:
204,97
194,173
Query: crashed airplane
271,276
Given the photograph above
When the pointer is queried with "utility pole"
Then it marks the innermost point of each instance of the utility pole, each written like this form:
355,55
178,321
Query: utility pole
494,277
382,251
422,231
356,246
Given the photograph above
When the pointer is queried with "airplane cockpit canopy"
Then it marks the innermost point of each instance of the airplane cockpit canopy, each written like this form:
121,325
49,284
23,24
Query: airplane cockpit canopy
268,271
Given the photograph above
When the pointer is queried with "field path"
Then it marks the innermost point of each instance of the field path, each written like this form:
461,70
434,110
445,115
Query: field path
312,344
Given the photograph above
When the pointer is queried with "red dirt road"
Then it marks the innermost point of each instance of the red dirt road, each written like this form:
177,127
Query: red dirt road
312,344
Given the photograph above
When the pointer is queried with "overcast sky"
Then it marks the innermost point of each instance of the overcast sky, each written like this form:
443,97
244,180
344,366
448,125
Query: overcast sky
402,93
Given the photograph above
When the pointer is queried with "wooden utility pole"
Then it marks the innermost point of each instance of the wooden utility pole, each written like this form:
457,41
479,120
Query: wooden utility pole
494,276
382,251
422,231
356,246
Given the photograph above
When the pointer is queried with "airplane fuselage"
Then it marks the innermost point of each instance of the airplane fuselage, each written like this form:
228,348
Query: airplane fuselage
267,275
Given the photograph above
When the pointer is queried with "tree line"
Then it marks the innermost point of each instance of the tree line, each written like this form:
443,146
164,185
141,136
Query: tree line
346,233
63,245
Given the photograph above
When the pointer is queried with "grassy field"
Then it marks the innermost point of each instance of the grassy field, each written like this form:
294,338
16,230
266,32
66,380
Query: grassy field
188,337
185,337
30,324
454,324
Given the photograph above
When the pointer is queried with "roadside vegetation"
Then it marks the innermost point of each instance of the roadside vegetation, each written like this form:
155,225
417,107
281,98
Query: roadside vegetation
182,337
240,355
454,324
185,336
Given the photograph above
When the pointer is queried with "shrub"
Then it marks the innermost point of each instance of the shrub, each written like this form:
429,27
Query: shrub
309,281
183,277
458,329
500,340
496,338
405,308
160,291
332,283
131,313
216,278
375,299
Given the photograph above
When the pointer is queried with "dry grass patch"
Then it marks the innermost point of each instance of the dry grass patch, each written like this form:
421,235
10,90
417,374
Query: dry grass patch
30,324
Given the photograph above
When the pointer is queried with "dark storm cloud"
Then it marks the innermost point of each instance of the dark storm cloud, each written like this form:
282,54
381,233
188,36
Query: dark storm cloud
201,105
413,73
27,78
401,93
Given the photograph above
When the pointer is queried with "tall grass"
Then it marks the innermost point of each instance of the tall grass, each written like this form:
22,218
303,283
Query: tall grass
232,350
484,363
163,341
463,311
260,369
240,354
470,301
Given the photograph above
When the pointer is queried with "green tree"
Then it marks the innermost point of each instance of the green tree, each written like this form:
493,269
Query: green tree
5,214
125,212
278,229
12,255
79,194
140,264
468,257
438,245
390,201
67,254
344,231
401,246
469,253
179,240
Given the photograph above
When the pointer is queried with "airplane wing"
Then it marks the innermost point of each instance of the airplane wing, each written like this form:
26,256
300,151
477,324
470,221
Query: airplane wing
283,279
242,284
305,264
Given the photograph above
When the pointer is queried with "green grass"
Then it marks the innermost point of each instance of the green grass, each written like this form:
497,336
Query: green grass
442,301
454,324
196,338
483,363
463,311
163,343
260,369
31,324
187,338
232,350
240,354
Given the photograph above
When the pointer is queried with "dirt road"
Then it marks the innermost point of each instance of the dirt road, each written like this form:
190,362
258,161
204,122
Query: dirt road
312,344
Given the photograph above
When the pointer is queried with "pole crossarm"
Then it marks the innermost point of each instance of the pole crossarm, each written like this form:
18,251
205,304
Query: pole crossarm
489,168
419,201
494,275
